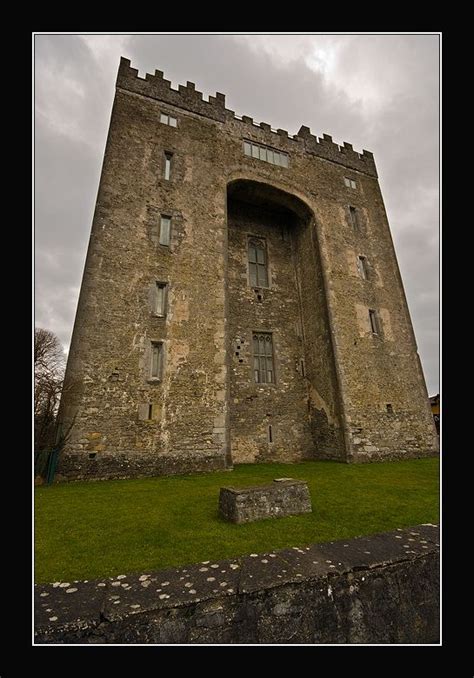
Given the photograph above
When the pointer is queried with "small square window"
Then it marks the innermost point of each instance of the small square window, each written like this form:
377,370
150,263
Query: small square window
173,122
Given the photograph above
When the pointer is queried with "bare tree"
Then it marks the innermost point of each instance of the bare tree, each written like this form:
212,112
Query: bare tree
49,375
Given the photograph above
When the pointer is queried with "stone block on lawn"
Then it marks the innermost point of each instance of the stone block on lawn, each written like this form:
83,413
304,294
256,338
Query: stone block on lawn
283,497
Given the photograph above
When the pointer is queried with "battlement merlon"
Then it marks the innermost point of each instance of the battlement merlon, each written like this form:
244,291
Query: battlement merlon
188,98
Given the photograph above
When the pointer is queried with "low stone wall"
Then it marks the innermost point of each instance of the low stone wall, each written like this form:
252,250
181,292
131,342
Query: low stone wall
378,589
283,497
132,464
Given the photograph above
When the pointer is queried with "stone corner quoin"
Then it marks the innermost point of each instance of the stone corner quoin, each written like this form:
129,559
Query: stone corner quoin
241,300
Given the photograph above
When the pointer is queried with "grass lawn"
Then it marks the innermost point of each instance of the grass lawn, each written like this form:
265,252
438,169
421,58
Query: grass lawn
91,530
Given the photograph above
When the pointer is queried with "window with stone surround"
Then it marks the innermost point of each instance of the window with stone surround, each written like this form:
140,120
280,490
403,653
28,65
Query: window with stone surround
156,361
362,267
350,183
263,362
258,268
159,299
354,217
165,229
374,321
168,120
168,159
265,153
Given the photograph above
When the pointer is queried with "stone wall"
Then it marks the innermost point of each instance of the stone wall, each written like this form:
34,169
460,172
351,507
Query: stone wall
378,589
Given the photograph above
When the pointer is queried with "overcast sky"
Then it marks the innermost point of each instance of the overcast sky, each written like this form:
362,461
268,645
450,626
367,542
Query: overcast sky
378,92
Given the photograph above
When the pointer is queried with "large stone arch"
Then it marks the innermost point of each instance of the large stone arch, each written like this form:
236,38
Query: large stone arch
298,417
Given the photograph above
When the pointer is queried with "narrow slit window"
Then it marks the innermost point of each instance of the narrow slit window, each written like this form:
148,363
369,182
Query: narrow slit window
168,158
354,218
389,408
263,363
156,359
362,268
150,411
257,256
374,321
165,230
160,299
270,434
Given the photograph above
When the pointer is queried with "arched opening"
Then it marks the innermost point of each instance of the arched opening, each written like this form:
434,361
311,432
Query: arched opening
282,373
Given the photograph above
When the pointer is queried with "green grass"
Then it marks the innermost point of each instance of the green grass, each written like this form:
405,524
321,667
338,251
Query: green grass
90,530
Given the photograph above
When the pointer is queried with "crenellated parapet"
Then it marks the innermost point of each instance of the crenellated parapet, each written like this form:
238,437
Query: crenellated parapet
326,148
188,98
157,87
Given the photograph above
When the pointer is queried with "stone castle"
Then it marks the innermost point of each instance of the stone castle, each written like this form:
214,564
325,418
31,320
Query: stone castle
241,300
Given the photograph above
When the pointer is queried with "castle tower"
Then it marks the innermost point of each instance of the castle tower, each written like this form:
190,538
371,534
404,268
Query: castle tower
241,300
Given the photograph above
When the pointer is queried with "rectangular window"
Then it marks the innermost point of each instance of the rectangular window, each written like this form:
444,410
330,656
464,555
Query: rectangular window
257,256
362,268
354,218
350,183
266,154
168,157
160,299
263,368
156,359
165,230
374,322
168,120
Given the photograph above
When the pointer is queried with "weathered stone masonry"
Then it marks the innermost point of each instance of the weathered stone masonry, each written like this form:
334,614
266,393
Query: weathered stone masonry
382,588
333,376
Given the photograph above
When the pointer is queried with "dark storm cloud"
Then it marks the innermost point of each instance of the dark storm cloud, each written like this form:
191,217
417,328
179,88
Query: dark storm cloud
376,92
